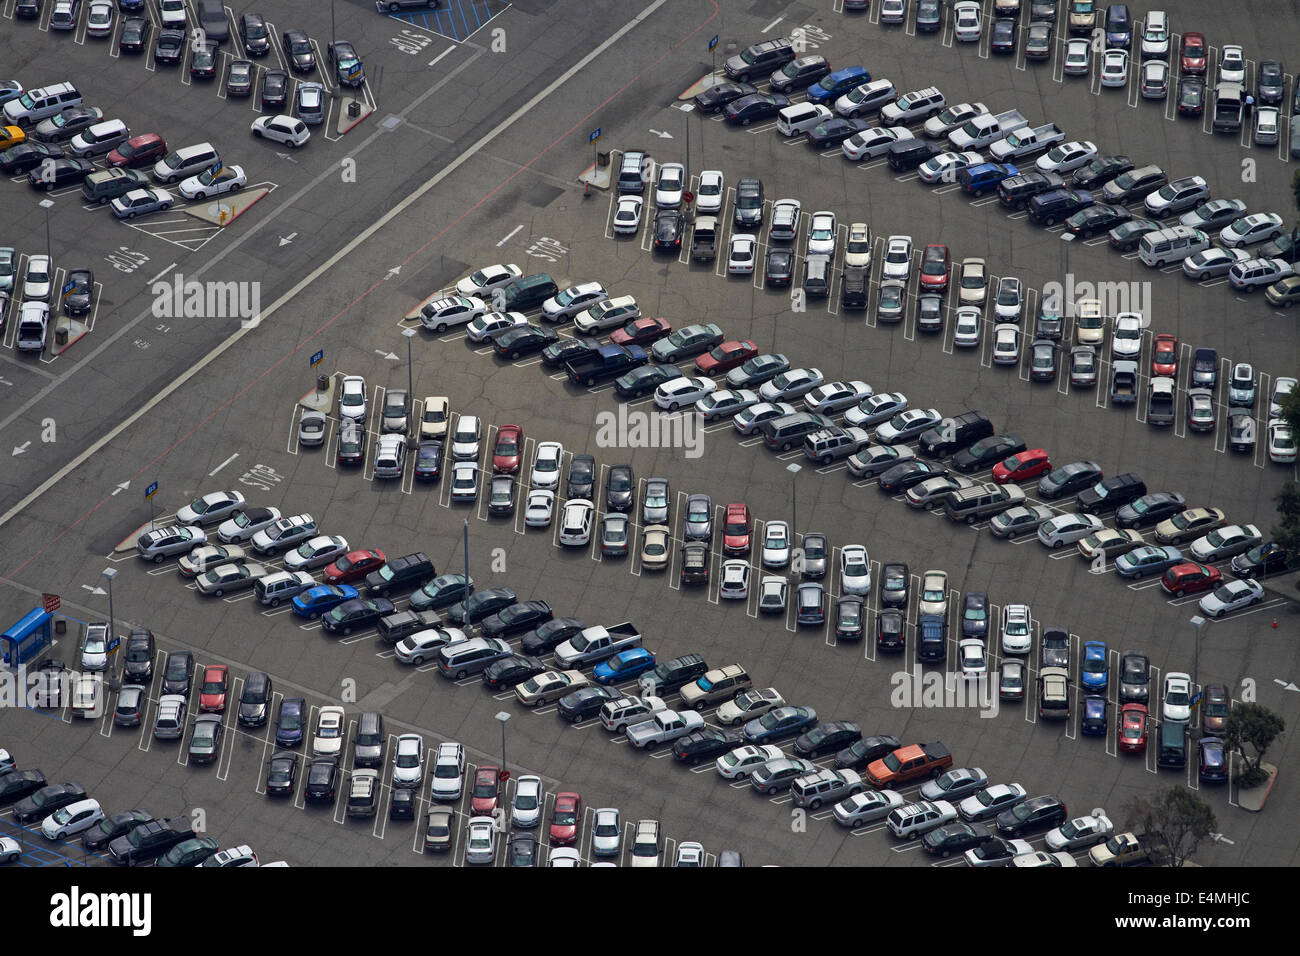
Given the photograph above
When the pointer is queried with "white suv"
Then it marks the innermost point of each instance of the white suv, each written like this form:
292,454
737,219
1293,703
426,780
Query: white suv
408,761
448,773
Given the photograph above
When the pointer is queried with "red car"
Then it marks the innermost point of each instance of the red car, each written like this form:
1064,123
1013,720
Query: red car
486,792
1022,467
353,566
725,357
643,331
212,697
1192,53
1133,728
505,454
138,152
1190,578
738,529
564,818
1164,355
934,268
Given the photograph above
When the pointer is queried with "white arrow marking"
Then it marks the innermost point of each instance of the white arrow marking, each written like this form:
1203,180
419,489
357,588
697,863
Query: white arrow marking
285,240
1220,838
288,157
395,270
19,449
94,590
387,355
122,487
662,135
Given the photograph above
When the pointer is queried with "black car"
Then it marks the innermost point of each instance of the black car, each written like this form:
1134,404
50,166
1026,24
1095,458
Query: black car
1191,96
910,153
719,95
1069,479
406,573
282,774
523,340
178,672
78,299
1205,368
799,74
322,779
975,615
988,452
748,213
1150,509
826,738
149,841
891,635
1261,561
252,30
1016,191
428,460
955,838
1126,236
520,616
695,563
27,156
669,226
43,802
255,700
1044,10
707,744
299,52
1284,247
402,803
481,604
903,476
1211,760
1042,360
850,618
28,9
1134,678
1049,208
754,107
203,61
779,270
895,581
501,496
564,350
169,47
138,668
61,172
347,66
585,702
866,750
1034,815
620,488
835,131
113,826
1102,217
1003,39
582,477
1135,184
19,784
510,671
521,849
1098,172
1054,648
644,380
547,637
1270,83
135,35
239,78
1110,494
677,673
355,614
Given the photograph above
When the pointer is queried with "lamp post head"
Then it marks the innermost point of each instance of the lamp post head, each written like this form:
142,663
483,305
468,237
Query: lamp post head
47,203
502,716
794,468
1198,622
109,574
409,333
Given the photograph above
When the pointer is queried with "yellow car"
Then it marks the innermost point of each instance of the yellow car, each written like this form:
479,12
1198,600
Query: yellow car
11,136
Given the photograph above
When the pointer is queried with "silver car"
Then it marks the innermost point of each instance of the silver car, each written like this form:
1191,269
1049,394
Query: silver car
526,807
481,840
312,427
654,506
607,832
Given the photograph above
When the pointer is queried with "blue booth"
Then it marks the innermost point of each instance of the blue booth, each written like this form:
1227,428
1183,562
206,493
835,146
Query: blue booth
27,638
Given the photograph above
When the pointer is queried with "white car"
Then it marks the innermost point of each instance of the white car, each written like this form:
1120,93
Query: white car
545,474
139,202
73,819
785,220
1213,262
857,251
776,544
670,185
242,525
679,392
464,481
1068,529
606,832
526,806
897,262
1039,859
1078,58
10,849
1232,64
352,399
1281,442
465,438
1006,345
991,801
1176,699
37,279
967,24
99,20
966,331
741,762
575,531
855,570
289,130
607,314
725,402
440,314
873,141
447,777
173,14
229,179
836,396
1009,302
893,11
1067,156
934,593
408,761
1257,227
627,216
735,579
567,856
710,192
1126,342
944,167
822,231
490,324
791,384
1017,633
481,840
748,706
907,425
741,252
575,299
748,421
1282,387
316,552
1266,125
773,594
874,409
1079,833
1232,597
974,661
489,278
867,806
330,730
1114,68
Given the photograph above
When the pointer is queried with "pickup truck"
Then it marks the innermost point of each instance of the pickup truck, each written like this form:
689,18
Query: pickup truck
704,239
663,728
1123,849
1123,382
608,361
1160,401
1228,108
979,131
594,644
908,763
1024,141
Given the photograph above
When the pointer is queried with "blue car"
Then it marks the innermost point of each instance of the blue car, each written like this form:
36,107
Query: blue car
623,666
1095,713
780,724
314,602
1094,674
830,88
1148,559
289,725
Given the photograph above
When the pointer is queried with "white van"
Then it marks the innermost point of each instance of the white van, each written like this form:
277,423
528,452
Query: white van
1173,244
282,586
798,118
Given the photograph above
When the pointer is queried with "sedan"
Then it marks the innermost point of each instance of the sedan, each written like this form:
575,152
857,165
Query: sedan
228,179
203,60
1067,529
872,410
944,167
873,142
725,403
713,98
780,723
1102,217
1080,833
1147,560
1067,157
1109,543
754,107
1022,519
726,357
988,802
1233,596
1022,466
1114,68
1257,227
1150,509
68,172
866,807
1225,543
627,215
1214,214
956,784
135,34
641,331
907,425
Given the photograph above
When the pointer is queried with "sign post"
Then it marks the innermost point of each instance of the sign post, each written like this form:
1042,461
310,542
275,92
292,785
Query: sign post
148,496
591,141
316,359
713,50
50,602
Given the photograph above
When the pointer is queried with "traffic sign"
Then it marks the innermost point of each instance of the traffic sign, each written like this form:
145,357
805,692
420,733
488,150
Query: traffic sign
113,644
68,287
50,602
505,775
151,491
688,196
594,136
713,43
318,358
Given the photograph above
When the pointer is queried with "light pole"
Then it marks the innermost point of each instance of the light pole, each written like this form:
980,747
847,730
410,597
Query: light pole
108,574
1067,238
794,470
468,590
1198,623
503,716
47,205
410,383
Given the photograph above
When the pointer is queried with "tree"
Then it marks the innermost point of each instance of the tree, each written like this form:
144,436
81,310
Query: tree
1174,822
1258,726
1295,187
1287,532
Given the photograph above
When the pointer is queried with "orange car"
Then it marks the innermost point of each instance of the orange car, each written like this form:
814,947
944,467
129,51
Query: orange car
908,763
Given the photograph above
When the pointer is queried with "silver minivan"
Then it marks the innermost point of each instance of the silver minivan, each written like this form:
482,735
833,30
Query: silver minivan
185,162
169,724
100,139
282,586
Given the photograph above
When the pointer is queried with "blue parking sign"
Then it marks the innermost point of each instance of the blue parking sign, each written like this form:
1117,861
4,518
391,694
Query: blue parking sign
68,287
594,136
318,358
713,44
151,490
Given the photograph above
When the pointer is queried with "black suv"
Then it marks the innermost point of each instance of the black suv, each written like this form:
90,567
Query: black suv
760,59
1047,209
1015,192
394,627
178,673
749,203
953,434
1110,494
695,562
401,574
138,668
706,744
909,153
677,673
252,30
800,74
